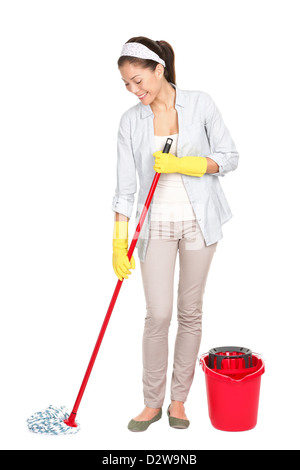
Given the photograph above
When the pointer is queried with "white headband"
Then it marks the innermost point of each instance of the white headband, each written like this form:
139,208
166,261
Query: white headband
136,49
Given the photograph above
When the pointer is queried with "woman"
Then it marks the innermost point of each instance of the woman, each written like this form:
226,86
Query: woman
186,214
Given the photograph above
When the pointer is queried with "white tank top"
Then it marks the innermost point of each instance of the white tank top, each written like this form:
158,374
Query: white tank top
170,200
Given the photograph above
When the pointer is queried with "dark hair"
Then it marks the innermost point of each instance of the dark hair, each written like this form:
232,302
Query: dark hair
162,48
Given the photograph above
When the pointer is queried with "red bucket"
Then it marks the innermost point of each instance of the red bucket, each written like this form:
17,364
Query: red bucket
233,397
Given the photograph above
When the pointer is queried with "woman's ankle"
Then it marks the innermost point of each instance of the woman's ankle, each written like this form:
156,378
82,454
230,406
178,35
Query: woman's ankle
147,414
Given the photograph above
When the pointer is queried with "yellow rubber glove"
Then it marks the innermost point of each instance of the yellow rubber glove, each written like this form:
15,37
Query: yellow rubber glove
169,163
121,263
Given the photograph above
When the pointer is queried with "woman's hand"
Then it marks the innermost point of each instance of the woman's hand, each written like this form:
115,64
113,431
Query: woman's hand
120,261
166,162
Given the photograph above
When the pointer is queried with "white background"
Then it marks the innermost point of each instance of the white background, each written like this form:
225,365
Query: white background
61,101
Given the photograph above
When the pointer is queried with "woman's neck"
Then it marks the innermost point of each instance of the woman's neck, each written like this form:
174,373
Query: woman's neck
165,100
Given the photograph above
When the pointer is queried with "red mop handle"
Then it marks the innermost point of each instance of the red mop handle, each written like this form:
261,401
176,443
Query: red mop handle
71,420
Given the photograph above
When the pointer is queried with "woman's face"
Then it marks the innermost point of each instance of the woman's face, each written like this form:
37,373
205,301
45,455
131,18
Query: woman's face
143,83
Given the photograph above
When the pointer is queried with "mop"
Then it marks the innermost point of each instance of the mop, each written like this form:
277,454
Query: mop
56,420
51,421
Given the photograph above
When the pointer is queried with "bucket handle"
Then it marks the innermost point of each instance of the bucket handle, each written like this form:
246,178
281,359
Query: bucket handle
202,355
200,358
259,356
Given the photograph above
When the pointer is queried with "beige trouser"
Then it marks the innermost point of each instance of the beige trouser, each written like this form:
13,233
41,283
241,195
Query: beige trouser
165,239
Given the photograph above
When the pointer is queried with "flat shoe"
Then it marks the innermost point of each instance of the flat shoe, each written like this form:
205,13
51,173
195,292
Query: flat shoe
139,426
177,423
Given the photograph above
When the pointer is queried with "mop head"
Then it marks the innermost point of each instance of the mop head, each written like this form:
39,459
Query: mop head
51,421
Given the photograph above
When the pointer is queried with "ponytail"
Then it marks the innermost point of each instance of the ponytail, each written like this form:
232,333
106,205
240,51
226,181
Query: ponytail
168,56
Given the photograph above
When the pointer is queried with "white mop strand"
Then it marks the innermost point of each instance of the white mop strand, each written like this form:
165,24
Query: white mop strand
51,421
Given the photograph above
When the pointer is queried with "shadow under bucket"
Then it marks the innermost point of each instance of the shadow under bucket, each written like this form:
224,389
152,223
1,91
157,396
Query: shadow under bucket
233,392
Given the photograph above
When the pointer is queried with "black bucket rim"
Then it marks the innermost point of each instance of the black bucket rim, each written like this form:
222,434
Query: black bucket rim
243,353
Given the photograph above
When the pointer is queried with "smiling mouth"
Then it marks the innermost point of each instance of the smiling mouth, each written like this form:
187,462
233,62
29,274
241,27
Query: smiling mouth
142,96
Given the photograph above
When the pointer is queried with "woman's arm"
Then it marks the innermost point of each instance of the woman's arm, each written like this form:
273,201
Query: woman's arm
123,200
212,166
223,150
120,217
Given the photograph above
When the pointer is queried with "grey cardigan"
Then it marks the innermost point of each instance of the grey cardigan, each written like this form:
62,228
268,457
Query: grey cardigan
202,132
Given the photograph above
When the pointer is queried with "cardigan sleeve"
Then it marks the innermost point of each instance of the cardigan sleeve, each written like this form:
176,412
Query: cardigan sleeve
123,199
223,150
